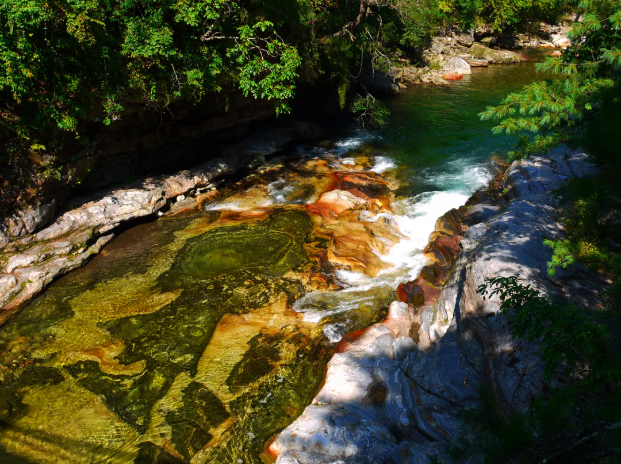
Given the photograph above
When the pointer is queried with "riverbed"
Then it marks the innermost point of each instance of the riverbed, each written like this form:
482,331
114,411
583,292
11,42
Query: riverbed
199,336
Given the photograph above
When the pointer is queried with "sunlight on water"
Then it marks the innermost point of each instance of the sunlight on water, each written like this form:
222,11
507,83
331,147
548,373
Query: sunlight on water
178,343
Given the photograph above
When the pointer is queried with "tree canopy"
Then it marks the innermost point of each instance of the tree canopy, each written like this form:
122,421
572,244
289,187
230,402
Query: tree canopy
64,63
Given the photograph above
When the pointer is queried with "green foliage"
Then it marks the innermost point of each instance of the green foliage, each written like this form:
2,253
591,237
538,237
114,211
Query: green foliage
69,65
62,59
66,63
419,21
561,255
589,69
503,15
577,418
268,67
570,340
370,112
495,435
588,227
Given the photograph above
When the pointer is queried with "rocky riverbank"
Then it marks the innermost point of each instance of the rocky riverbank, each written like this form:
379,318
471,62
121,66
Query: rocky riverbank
35,253
180,343
53,235
453,54
395,391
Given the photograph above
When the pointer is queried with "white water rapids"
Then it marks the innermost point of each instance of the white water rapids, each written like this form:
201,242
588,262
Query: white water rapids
414,220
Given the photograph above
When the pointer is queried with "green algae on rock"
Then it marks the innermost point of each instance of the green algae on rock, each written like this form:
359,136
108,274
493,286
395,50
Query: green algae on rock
272,248
135,334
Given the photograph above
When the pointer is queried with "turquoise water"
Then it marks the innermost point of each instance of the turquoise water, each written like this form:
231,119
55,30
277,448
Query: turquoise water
199,337
435,135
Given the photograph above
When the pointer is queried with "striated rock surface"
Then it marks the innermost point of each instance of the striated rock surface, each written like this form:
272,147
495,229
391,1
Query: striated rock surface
36,258
394,392
182,341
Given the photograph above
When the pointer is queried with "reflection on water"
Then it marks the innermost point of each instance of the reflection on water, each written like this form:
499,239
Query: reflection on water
200,336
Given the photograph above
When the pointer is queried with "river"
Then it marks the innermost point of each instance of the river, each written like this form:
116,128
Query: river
199,336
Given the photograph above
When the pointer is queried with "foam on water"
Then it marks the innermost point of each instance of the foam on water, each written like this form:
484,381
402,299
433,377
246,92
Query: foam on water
315,314
383,164
350,143
463,175
414,220
279,191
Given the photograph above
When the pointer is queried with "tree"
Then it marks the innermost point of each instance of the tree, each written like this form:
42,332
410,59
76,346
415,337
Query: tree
584,78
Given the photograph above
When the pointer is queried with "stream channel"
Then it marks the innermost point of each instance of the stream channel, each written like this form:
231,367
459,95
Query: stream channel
199,336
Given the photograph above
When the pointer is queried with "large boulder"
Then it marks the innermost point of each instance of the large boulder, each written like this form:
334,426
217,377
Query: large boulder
381,81
465,39
456,65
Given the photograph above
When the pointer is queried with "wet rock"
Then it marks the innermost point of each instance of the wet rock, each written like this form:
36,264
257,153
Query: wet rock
184,205
338,201
436,273
418,292
461,340
201,411
362,184
452,76
301,457
444,249
149,453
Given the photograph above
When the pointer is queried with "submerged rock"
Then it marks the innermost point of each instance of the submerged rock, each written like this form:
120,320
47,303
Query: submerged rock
181,342
36,257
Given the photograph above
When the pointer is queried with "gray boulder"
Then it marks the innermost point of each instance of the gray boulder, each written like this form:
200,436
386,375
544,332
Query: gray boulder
456,65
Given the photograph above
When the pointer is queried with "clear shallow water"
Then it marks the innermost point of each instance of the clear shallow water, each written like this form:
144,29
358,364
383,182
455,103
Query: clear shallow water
198,337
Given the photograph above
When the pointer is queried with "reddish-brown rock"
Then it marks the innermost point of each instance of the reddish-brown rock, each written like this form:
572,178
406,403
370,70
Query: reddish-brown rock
436,273
453,77
366,185
418,293
444,249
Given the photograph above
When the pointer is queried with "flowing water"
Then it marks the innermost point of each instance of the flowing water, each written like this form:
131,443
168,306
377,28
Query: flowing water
199,336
